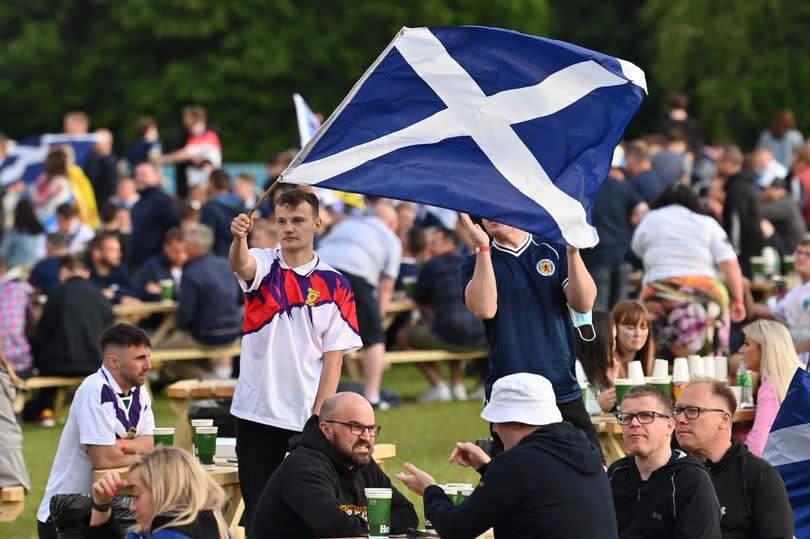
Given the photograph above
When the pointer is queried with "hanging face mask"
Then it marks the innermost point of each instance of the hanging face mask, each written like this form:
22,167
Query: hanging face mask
583,323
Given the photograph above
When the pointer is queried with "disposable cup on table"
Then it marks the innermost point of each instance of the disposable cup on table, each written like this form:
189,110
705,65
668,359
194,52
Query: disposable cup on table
206,445
696,369
664,383
635,372
194,424
163,436
680,376
721,369
708,366
580,372
460,488
378,505
622,386
661,368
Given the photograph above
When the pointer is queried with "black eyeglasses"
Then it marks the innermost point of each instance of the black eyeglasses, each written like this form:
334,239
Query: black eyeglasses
693,412
358,428
644,418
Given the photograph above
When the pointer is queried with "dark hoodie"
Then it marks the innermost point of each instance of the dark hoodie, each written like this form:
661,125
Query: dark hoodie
752,496
203,527
676,501
218,214
313,494
551,484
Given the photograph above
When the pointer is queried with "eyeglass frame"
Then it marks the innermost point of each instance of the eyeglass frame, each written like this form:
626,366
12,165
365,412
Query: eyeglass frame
677,410
636,416
373,430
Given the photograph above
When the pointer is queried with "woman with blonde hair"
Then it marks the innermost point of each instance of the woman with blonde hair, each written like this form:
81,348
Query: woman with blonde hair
172,498
769,351
634,341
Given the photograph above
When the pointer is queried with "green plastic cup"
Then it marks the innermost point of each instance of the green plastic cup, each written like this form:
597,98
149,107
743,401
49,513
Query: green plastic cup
465,493
663,383
378,504
166,289
458,497
622,386
194,424
409,284
163,436
206,443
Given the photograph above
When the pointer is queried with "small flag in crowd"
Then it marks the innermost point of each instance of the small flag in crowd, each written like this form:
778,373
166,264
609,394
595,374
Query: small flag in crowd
308,125
515,128
26,158
788,448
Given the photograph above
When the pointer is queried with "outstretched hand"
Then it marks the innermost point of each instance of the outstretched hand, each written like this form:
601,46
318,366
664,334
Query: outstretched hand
418,481
474,231
468,454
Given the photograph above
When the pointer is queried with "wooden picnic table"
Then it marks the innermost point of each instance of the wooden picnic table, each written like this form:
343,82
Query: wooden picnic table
397,307
132,313
225,474
610,432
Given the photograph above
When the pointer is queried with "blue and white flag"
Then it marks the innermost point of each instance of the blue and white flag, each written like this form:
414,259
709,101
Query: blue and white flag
788,448
25,159
515,128
308,123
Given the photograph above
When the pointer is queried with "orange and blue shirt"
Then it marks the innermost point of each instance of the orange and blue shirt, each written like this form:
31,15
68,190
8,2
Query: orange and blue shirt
292,317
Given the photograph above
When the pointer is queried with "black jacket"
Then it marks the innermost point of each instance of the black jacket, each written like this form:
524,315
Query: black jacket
677,500
313,494
551,484
218,214
66,341
153,215
752,496
203,527
741,217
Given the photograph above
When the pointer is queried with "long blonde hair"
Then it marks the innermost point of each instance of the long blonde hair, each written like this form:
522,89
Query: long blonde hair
180,488
779,361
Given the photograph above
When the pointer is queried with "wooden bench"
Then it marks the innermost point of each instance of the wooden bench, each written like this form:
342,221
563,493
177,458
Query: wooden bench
61,383
203,352
352,361
12,503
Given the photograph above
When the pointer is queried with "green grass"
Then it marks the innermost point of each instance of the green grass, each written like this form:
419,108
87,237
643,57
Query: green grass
424,435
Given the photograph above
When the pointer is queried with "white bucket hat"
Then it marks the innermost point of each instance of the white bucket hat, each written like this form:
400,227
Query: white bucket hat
523,398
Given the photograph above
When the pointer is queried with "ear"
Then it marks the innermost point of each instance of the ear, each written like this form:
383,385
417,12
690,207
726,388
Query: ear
324,426
317,224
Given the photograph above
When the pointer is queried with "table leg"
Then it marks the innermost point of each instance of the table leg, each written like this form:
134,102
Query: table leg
182,430
163,330
235,507
613,448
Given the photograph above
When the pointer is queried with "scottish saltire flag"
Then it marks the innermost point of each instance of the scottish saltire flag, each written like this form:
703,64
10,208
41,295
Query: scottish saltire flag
788,448
515,128
26,158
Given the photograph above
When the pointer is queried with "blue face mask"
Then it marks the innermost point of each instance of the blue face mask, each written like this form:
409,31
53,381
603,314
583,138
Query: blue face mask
583,321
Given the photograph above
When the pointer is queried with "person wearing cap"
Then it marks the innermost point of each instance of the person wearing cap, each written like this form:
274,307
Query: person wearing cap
530,295
752,495
657,491
549,481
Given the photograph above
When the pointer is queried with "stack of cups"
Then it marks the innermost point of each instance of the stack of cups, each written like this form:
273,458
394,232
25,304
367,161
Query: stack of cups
195,423
205,440
378,506
636,373
721,369
696,369
680,376
708,366
661,368
661,378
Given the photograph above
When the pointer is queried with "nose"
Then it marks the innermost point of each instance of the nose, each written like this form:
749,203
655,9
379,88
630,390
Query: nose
149,363
366,435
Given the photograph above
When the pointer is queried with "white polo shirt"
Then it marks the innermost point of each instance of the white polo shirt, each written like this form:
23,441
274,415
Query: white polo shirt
292,317
98,416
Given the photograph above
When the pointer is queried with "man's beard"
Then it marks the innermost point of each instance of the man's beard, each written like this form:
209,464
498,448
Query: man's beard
353,460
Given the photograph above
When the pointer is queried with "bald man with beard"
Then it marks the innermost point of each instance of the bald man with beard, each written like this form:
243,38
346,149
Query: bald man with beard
318,490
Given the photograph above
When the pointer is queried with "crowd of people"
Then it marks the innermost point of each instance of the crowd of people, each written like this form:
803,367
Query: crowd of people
308,277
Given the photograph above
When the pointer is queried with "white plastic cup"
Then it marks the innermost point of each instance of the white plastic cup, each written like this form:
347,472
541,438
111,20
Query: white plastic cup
708,366
721,369
737,390
661,368
581,377
680,370
635,372
696,367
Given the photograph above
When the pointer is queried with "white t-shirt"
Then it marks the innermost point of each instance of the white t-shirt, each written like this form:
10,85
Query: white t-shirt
794,310
292,316
673,241
98,416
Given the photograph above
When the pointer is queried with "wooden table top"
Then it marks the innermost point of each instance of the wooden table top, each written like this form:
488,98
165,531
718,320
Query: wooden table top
145,308
223,475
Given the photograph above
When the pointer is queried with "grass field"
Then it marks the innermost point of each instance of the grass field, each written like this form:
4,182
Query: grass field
424,435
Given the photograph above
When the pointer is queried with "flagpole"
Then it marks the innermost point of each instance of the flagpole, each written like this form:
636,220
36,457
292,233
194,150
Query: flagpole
264,196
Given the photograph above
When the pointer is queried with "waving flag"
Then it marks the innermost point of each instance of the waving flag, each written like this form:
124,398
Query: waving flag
515,128
788,448
25,160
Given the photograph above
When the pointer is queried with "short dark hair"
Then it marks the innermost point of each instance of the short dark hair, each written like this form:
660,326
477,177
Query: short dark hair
650,391
72,263
678,100
99,238
143,125
296,197
124,335
220,179
173,234
246,176
57,240
25,218
66,210
718,389
107,212
637,150
678,193
417,239
450,235
675,134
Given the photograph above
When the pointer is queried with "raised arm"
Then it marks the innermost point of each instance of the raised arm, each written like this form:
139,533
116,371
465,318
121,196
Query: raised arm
481,293
581,289
242,263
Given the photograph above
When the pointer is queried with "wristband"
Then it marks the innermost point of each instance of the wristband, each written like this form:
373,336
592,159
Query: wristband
482,249
102,507
123,445
737,301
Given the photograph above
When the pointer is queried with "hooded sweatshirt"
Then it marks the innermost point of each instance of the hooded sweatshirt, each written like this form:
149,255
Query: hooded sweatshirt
676,501
752,496
552,484
314,494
